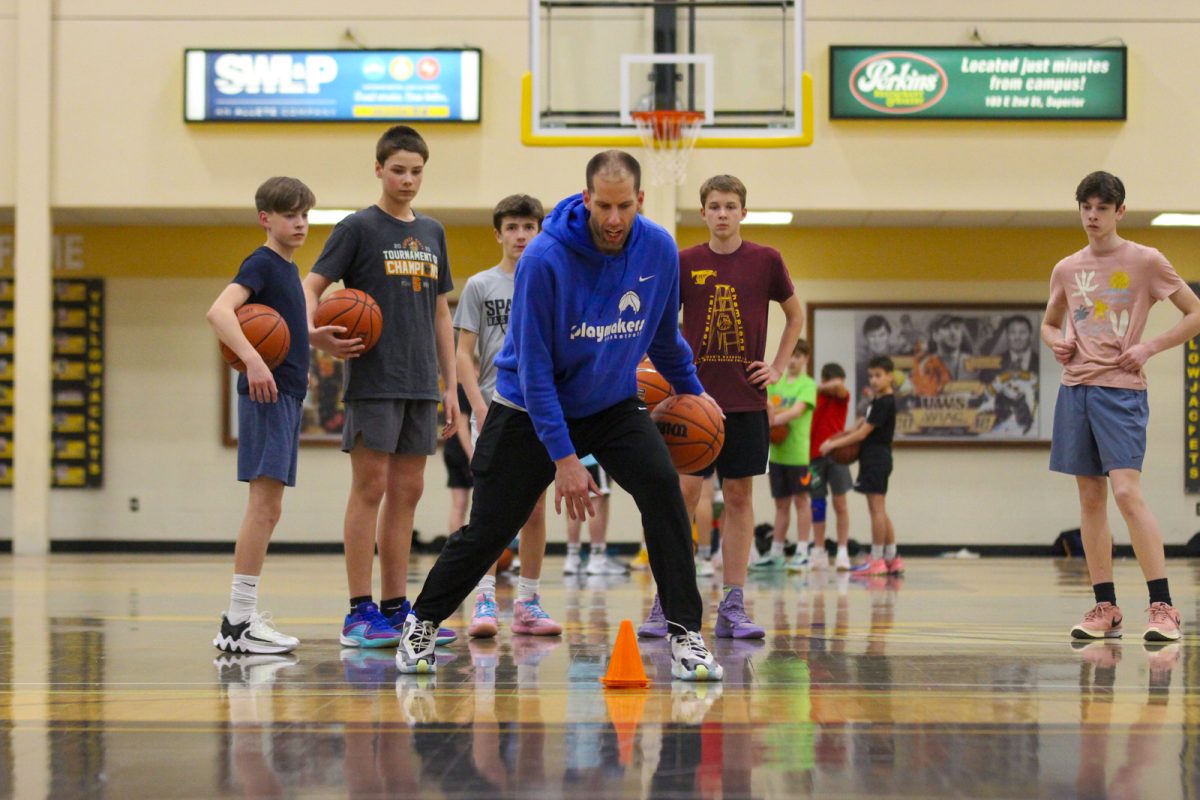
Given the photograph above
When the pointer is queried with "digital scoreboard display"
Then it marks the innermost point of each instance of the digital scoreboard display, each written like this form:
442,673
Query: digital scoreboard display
332,85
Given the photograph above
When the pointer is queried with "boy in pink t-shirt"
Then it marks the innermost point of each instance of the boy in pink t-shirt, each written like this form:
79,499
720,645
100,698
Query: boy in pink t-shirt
1100,298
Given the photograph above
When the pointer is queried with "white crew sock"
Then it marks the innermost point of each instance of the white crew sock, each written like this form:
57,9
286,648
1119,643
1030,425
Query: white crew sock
889,551
876,552
487,584
776,548
527,589
572,549
243,598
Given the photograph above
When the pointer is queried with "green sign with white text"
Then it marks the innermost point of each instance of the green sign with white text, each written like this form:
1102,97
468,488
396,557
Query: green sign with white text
1001,83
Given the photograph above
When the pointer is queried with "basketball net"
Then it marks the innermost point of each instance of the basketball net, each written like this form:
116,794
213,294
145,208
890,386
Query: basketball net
668,137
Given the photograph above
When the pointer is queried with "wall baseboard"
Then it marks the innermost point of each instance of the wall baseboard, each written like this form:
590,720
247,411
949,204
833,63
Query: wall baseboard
552,548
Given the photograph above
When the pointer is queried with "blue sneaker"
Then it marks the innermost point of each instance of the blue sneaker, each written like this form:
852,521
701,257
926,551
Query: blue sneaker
444,635
367,627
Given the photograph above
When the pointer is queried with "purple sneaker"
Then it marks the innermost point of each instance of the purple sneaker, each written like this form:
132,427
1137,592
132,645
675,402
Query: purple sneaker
655,626
732,622
444,635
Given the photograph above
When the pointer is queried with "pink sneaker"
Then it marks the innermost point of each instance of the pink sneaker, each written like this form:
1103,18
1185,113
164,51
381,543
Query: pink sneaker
1164,624
530,618
483,619
895,566
1102,622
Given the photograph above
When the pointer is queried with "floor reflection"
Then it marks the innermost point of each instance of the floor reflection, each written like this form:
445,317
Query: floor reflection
940,685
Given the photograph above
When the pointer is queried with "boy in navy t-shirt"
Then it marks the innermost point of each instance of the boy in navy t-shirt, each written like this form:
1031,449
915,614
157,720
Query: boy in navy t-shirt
269,404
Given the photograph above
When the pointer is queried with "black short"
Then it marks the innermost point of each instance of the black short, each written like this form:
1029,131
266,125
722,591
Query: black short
458,466
789,481
747,446
873,475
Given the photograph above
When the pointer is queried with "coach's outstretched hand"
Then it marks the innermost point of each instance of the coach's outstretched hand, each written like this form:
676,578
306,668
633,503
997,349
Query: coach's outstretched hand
574,483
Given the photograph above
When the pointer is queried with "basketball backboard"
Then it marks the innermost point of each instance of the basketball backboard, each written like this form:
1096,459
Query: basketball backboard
738,62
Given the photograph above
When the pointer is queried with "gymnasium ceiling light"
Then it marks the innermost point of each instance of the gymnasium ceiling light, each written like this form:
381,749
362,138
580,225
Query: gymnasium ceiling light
328,216
1177,220
768,218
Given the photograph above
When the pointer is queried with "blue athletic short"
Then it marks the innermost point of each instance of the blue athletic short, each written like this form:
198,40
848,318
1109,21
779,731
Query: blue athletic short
268,438
1098,429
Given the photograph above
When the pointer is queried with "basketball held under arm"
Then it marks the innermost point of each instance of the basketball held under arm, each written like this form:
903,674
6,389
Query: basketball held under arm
325,338
222,316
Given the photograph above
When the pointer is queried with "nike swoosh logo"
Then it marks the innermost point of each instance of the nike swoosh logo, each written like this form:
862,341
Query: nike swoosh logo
644,278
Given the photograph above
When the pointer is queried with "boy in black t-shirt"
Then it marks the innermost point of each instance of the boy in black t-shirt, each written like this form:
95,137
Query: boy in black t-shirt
269,405
875,433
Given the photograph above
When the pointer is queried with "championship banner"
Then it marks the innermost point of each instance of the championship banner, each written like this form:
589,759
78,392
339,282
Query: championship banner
980,83
76,385
960,374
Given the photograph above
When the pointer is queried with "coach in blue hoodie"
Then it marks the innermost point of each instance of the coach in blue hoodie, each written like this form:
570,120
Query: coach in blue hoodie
597,290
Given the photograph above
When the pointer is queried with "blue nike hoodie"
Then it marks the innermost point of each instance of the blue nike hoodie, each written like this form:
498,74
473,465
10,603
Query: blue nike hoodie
582,320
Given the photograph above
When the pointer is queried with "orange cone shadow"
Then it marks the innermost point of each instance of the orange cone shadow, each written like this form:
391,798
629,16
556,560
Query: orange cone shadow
625,670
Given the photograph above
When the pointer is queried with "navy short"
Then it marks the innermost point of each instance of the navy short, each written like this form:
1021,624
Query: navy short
747,446
268,438
788,481
1098,429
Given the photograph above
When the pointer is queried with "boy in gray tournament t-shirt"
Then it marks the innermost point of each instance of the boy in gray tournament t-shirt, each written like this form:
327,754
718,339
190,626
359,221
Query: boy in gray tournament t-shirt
482,323
399,258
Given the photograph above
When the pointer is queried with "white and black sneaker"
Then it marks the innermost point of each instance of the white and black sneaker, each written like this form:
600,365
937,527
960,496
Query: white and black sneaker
255,635
691,659
415,653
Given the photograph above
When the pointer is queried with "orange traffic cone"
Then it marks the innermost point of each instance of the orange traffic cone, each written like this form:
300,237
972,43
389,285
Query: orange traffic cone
625,670
625,710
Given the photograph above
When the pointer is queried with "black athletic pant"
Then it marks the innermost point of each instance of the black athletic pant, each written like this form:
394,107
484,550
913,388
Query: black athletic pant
512,468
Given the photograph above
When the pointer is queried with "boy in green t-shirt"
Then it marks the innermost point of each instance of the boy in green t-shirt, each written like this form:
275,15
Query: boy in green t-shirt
791,402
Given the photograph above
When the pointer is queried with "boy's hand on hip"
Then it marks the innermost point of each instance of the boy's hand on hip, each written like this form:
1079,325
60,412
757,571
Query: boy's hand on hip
1133,359
762,374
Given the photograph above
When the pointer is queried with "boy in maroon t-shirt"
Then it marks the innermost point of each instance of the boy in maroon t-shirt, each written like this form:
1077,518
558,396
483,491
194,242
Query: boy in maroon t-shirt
726,286
829,419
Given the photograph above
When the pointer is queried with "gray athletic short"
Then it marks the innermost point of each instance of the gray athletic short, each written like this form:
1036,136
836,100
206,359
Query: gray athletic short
399,427
827,476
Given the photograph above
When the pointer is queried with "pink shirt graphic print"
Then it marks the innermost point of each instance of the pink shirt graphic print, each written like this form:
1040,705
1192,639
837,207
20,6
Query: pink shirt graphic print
1108,299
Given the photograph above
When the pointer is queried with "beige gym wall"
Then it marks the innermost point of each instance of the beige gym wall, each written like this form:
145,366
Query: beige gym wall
122,153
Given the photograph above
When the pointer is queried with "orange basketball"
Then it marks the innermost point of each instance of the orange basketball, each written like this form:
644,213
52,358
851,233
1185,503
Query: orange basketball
779,433
506,559
354,310
846,454
266,331
693,429
652,387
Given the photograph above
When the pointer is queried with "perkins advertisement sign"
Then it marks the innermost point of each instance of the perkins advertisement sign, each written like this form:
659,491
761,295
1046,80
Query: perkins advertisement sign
331,85
1008,83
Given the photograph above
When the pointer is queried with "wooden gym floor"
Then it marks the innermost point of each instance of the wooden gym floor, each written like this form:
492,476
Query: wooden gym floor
958,681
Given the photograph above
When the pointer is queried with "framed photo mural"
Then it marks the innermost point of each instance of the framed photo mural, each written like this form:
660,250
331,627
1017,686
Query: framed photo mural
322,414
965,373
